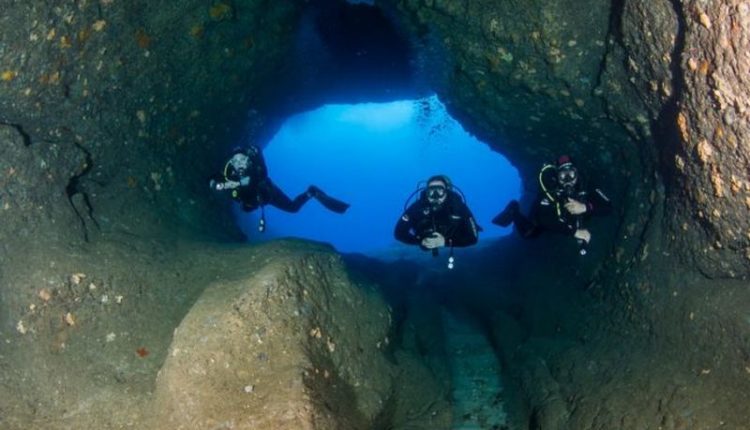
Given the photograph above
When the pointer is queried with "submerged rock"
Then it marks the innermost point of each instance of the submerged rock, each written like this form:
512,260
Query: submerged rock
292,344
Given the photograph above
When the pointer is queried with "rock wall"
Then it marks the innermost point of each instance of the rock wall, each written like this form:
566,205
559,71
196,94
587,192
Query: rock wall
113,114
526,72
707,158
128,104
658,348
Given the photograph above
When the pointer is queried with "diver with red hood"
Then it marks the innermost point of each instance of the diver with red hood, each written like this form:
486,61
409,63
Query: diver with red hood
563,203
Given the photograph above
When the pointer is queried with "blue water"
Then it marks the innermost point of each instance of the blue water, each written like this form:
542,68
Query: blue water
372,156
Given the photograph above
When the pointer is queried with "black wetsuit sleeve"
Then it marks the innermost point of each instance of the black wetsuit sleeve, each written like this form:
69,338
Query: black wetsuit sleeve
404,231
598,203
465,232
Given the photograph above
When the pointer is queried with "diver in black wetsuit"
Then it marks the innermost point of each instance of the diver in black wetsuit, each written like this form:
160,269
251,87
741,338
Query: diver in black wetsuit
562,205
439,218
246,176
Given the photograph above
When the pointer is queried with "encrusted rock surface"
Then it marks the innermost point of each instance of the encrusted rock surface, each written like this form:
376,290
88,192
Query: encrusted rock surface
141,94
708,161
187,336
294,345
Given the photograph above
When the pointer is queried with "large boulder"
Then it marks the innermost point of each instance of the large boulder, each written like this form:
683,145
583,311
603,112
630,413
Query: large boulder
292,343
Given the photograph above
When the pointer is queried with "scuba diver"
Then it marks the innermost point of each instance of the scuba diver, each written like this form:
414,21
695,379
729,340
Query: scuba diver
438,218
246,176
561,206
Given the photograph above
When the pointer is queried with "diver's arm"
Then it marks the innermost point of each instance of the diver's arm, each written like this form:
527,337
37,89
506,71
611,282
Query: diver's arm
226,185
219,182
403,231
258,163
598,203
465,236
466,233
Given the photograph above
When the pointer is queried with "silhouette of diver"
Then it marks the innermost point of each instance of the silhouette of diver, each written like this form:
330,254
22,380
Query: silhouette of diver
562,206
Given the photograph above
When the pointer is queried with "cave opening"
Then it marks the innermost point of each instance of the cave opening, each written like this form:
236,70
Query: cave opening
373,156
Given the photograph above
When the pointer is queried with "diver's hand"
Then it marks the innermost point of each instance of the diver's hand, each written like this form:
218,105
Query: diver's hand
582,234
436,240
575,207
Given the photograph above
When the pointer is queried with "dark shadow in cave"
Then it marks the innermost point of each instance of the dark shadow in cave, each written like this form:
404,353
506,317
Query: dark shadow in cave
349,53
379,54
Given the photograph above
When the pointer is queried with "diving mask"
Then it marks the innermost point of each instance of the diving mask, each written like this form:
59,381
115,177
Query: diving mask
239,162
567,176
436,194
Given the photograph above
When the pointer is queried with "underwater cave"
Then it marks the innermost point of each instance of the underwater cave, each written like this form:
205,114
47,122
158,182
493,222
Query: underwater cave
134,295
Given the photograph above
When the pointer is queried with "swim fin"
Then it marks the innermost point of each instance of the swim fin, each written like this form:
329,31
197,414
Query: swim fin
327,201
508,215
